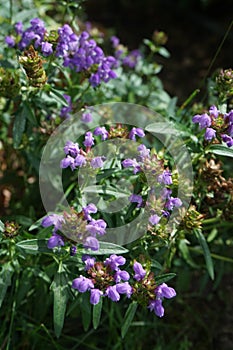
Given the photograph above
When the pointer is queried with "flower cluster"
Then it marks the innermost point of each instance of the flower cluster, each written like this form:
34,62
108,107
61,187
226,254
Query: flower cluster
77,157
159,206
79,52
123,56
78,228
217,125
106,279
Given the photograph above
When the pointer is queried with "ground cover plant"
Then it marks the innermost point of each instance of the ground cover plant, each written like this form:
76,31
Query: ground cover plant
116,200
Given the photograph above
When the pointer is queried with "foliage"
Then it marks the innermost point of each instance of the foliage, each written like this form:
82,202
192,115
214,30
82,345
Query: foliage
64,287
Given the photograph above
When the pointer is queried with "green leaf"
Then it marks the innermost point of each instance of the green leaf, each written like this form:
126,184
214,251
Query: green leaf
19,127
60,298
164,278
107,248
186,254
221,150
129,315
34,246
29,113
206,251
164,52
2,226
97,313
58,96
85,307
5,279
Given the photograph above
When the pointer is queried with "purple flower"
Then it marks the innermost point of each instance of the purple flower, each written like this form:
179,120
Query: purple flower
163,291
127,163
140,273
89,261
86,117
154,219
96,227
209,134
203,120
89,209
55,241
97,162
121,275
71,148
165,178
229,116
65,111
91,243
157,307
53,219
132,59
124,288
67,162
173,202
10,41
214,111
89,140
136,198
95,296
114,261
115,41
46,48
136,131
101,131
19,28
227,139
166,193
73,250
80,160
112,293
82,284
143,151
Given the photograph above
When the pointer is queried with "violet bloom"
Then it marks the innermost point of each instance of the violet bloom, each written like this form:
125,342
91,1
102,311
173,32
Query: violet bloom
10,41
124,288
86,117
46,48
71,149
89,209
136,131
65,111
132,59
101,131
154,219
157,307
82,284
97,162
203,120
140,273
55,241
89,140
73,250
173,202
136,198
209,134
91,243
227,139
95,296
96,227
53,219
115,41
67,162
214,111
128,163
143,151
114,261
112,293
163,291
121,275
89,261
165,178
166,193
19,28
80,160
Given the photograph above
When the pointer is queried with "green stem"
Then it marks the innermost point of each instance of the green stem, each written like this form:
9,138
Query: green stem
8,347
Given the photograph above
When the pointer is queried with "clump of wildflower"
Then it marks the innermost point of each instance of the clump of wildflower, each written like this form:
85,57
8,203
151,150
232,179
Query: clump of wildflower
123,55
217,125
75,227
104,279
